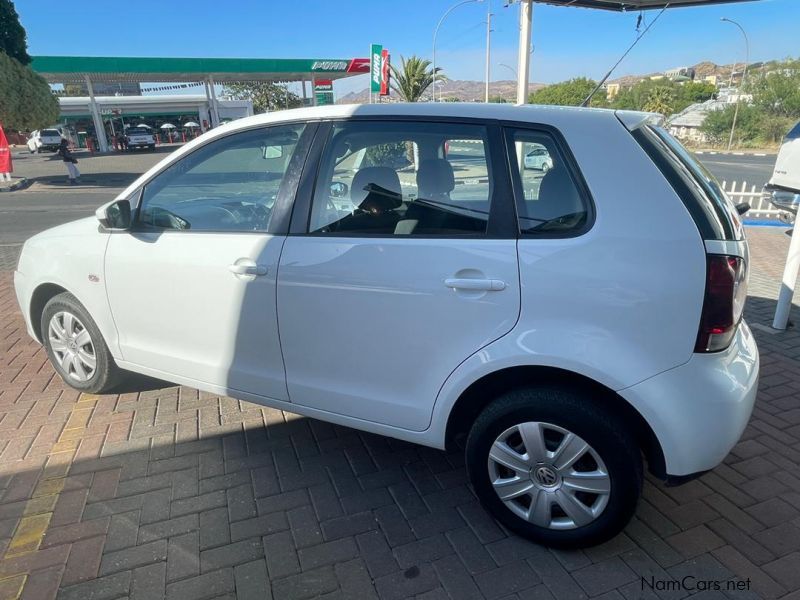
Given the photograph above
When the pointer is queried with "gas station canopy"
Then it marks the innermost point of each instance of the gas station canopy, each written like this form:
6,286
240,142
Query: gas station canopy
635,4
120,69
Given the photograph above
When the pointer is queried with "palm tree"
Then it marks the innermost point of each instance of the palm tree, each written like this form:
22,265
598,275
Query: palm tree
414,78
659,100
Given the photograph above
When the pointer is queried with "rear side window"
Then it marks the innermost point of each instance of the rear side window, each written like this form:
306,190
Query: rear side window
712,211
549,200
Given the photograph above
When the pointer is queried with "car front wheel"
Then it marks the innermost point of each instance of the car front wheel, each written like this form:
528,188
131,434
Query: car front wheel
75,347
554,467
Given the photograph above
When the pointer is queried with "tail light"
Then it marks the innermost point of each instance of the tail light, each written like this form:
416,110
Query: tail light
726,291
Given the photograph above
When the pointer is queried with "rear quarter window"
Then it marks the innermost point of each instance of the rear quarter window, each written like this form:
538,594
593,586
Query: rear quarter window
711,209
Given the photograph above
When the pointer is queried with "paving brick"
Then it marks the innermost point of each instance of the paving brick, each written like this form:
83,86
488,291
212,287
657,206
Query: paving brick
354,580
408,583
281,556
84,560
183,556
695,541
168,528
327,553
123,530
258,526
130,558
214,528
785,570
376,554
207,585
197,504
470,550
349,525
102,588
455,579
149,583
505,580
762,584
231,554
604,576
251,581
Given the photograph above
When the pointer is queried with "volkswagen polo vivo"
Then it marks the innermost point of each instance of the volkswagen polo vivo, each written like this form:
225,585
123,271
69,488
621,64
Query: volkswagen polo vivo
397,269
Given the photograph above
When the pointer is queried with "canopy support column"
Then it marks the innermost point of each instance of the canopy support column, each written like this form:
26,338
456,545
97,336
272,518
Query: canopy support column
524,55
784,306
214,105
99,128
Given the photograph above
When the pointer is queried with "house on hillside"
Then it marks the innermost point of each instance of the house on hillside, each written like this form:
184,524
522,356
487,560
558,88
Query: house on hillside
686,124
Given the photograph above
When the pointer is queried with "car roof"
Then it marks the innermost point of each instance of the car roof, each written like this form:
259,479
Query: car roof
548,115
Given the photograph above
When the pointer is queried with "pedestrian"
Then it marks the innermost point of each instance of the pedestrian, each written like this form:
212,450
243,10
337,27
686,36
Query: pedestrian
69,160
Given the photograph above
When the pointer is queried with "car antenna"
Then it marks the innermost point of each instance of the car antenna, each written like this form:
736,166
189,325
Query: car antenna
632,46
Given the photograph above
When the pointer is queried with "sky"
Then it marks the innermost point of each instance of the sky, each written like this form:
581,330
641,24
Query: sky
568,42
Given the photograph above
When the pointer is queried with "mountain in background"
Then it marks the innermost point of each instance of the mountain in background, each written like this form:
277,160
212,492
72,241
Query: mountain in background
473,91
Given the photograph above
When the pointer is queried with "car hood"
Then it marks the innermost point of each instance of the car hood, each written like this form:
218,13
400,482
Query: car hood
79,228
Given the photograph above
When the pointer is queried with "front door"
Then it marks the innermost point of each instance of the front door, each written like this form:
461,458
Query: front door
405,266
192,285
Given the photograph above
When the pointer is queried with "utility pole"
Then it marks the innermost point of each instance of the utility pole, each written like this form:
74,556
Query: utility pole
488,47
524,56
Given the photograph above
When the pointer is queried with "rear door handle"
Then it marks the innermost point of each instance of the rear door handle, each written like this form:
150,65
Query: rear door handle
486,285
245,269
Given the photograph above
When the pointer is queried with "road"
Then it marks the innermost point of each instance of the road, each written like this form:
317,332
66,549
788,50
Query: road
49,201
755,170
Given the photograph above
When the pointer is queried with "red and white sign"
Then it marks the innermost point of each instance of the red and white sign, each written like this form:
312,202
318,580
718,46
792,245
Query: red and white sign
358,65
5,154
385,72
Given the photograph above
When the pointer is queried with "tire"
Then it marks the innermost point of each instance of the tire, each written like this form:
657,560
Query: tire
151,148
545,168
65,324
539,485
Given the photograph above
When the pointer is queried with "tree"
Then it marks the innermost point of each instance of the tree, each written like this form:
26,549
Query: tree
414,78
12,35
659,100
778,92
567,93
26,101
717,125
266,96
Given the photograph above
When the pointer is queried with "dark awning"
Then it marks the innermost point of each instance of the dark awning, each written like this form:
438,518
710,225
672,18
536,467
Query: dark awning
634,4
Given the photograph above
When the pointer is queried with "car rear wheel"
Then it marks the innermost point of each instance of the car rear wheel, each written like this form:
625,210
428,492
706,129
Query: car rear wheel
75,347
554,467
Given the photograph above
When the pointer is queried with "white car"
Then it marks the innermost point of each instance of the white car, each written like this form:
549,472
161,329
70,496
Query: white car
538,158
559,331
140,137
44,139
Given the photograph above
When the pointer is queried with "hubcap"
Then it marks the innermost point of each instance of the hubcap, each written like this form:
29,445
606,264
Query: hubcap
72,346
549,476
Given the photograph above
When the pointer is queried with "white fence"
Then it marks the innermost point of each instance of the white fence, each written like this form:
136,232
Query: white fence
759,207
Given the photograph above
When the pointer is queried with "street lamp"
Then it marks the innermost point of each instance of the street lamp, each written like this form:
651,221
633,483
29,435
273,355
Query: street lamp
512,69
436,32
744,75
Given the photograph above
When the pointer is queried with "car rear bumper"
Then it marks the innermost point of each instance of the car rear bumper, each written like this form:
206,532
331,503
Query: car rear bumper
699,410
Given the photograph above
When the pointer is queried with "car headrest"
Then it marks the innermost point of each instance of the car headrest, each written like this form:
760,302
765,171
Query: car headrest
376,188
435,176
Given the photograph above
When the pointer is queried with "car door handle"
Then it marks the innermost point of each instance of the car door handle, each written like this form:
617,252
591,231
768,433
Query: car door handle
487,285
245,269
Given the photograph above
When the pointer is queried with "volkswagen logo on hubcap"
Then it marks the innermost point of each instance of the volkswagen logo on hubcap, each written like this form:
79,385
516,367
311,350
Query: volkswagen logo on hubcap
545,476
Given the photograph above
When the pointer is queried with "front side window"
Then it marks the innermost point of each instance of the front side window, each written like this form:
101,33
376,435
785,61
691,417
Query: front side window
230,184
553,202
384,178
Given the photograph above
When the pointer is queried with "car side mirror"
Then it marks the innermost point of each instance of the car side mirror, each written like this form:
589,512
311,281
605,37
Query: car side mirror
339,189
115,216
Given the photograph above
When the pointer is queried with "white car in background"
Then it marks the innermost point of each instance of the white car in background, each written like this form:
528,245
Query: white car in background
558,327
539,158
140,137
44,139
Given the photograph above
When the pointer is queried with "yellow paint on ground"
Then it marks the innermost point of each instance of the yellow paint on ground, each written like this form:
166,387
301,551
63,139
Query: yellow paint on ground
29,534
38,512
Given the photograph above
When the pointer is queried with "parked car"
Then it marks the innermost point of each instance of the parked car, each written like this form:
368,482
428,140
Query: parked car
140,137
44,139
783,188
560,333
538,158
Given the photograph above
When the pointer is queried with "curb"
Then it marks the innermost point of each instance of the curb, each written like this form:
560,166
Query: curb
737,153
22,183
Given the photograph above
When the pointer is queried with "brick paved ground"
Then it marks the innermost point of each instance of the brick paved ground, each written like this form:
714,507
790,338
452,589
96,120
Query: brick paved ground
185,495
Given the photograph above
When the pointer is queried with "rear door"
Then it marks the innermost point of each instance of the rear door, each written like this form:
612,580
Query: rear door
403,265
